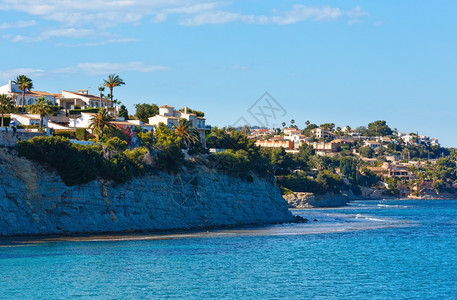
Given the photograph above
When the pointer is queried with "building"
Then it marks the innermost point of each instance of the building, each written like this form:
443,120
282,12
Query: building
292,131
27,119
372,144
330,147
82,99
322,133
170,117
30,97
396,170
276,142
261,132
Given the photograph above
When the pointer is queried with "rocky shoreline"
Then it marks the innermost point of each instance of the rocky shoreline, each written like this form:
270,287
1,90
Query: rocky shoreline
329,200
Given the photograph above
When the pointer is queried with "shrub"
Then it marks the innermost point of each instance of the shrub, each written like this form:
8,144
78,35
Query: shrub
170,157
74,164
116,144
66,134
110,132
81,134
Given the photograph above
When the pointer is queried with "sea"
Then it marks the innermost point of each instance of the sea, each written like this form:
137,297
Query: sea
390,249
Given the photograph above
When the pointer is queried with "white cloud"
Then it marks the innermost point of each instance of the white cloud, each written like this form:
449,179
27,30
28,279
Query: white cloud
11,74
19,24
90,19
239,67
101,42
106,68
105,13
298,13
55,33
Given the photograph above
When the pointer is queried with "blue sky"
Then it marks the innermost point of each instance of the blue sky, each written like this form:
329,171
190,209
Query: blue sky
347,62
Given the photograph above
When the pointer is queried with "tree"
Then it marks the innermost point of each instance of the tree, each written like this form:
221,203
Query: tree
378,128
283,124
101,120
328,126
246,130
292,122
101,89
366,151
307,122
41,107
123,112
186,133
112,82
6,105
145,111
24,84
307,130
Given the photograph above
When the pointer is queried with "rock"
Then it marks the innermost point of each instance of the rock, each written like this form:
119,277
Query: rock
35,201
300,219
310,200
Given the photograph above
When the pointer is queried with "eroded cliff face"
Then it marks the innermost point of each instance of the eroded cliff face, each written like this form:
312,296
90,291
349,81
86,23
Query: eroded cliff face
34,200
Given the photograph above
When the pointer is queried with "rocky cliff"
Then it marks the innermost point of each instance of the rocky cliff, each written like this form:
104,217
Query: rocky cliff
34,200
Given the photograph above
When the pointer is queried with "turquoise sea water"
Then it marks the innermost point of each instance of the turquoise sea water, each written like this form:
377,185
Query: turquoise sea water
368,250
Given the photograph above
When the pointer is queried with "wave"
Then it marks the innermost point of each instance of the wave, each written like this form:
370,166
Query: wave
368,218
392,206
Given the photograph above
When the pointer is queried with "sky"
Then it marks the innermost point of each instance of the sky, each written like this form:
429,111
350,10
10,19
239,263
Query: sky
256,62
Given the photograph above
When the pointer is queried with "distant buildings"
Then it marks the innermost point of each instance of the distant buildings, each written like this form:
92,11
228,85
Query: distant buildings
276,142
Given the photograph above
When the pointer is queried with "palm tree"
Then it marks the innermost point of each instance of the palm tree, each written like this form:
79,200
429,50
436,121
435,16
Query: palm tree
6,105
23,83
41,107
283,124
101,120
101,89
113,81
187,134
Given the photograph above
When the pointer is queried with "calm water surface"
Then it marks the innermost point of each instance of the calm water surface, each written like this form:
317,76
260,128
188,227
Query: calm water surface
368,250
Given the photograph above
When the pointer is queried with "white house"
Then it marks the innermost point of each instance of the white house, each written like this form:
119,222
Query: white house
82,98
292,131
83,121
322,133
30,97
169,116
27,119
372,144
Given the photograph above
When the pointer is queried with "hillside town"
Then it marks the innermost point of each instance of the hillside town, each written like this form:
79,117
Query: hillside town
373,161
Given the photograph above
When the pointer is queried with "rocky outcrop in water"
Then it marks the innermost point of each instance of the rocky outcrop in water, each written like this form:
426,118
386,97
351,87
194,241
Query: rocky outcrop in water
35,201
310,200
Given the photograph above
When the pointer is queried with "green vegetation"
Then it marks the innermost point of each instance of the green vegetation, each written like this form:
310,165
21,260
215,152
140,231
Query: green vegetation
145,111
41,107
24,84
100,121
112,82
6,106
123,112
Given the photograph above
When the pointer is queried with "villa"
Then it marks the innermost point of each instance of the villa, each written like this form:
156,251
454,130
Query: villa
170,117
30,97
26,119
82,98
321,133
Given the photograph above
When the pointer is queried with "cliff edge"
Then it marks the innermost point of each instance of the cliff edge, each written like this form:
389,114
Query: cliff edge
35,201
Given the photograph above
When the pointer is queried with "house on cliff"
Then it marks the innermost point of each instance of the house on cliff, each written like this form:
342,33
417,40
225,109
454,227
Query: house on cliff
170,117
30,97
